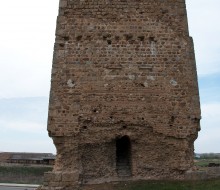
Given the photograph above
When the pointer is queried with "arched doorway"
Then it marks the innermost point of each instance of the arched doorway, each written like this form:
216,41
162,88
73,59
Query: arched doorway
123,156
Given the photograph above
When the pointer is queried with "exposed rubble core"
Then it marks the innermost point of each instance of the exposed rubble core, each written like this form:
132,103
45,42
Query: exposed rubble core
124,102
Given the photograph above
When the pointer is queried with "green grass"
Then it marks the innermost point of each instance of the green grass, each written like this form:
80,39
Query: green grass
158,185
34,175
205,162
24,170
172,185
22,174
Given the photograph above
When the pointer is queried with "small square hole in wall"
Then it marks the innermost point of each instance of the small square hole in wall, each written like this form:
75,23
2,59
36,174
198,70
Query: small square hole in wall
66,38
128,36
78,38
109,42
141,38
152,39
62,45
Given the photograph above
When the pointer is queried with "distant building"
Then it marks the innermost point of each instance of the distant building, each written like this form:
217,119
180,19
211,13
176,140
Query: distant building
27,158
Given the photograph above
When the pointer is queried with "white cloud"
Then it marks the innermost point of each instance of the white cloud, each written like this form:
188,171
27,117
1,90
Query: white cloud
18,136
211,111
203,16
24,76
209,140
23,124
27,127
30,146
26,46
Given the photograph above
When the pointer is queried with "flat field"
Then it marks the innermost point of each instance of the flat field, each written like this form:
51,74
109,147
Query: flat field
159,185
206,162
34,175
23,174
172,185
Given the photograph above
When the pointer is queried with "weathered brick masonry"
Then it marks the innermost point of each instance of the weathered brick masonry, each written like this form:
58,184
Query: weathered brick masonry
124,102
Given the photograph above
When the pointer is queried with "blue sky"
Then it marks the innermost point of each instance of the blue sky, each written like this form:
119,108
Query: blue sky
26,48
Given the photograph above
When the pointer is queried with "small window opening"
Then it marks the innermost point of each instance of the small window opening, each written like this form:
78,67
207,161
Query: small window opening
95,110
106,36
152,39
62,45
78,38
66,38
172,119
66,12
128,37
109,42
141,38
123,156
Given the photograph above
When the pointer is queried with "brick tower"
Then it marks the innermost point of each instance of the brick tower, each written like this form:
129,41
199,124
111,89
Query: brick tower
124,102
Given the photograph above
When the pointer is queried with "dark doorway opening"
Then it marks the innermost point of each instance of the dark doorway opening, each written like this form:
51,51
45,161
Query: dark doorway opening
123,156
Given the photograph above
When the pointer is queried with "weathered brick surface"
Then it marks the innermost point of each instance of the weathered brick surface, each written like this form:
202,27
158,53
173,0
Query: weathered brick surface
123,68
